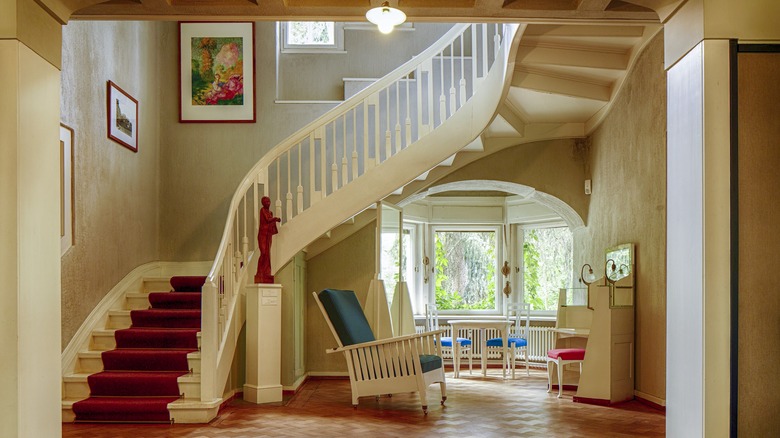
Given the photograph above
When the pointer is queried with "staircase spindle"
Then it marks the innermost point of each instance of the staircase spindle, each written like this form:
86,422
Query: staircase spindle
484,50
453,103
462,99
408,112
334,168
299,203
278,202
344,171
365,146
354,144
397,117
312,167
496,43
388,139
442,97
289,211
474,66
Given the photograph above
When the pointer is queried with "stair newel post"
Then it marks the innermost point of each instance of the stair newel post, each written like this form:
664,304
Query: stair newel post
209,342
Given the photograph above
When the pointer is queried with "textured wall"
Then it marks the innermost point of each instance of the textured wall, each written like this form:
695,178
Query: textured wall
202,163
320,76
628,205
116,190
348,265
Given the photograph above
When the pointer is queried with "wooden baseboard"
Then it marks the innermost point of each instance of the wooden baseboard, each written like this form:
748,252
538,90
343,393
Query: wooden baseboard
296,386
592,401
649,400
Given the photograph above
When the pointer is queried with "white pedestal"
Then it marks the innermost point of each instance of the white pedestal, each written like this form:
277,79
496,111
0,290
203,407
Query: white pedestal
263,343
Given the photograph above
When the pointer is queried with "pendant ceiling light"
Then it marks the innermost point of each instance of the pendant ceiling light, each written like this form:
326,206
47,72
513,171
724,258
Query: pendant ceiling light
385,17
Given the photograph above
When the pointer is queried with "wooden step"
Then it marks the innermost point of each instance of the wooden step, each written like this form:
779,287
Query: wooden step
157,284
77,387
183,411
91,362
137,301
118,319
103,340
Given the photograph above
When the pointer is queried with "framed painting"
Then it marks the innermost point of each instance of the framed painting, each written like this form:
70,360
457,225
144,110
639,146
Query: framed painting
216,72
66,189
122,114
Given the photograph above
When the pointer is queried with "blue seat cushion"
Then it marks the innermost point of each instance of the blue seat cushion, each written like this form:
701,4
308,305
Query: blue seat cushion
446,341
497,342
430,362
346,315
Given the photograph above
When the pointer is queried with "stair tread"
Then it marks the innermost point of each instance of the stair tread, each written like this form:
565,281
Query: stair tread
97,354
82,377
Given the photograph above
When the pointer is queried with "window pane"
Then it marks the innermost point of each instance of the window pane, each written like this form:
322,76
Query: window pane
466,270
547,260
308,33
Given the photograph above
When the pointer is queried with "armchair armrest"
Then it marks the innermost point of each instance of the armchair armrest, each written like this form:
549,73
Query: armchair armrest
388,341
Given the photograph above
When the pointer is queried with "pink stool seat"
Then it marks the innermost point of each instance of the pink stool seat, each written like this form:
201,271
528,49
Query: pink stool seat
567,354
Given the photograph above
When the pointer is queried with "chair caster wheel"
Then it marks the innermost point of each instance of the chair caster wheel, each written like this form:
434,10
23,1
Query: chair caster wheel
425,410
443,399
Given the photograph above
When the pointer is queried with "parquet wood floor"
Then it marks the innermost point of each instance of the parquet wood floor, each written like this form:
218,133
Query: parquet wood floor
476,407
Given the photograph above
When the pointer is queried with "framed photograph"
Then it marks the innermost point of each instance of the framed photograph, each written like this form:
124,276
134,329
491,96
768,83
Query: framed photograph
122,117
67,226
216,72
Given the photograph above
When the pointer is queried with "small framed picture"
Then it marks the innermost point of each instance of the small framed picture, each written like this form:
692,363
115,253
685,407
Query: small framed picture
216,72
122,117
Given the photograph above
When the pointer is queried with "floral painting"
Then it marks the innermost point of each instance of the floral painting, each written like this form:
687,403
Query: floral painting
217,72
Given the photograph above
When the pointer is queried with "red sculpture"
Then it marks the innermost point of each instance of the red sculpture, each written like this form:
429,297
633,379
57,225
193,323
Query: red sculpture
264,236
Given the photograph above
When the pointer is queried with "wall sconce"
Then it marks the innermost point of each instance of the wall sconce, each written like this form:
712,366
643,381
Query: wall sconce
385,17
588,277
613,272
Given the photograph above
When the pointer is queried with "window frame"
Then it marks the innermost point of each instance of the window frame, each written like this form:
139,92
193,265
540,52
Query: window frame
430,290
519,277
337,47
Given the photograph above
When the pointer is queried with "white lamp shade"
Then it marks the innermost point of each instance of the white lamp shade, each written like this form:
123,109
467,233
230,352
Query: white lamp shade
385,17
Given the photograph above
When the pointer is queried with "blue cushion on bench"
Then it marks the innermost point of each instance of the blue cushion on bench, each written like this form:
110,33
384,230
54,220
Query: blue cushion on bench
497,342
347,316
429,362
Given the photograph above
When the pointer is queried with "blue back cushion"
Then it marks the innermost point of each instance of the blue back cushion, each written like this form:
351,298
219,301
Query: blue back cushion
347,316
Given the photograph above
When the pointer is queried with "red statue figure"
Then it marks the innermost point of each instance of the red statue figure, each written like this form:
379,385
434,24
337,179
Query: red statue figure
264,236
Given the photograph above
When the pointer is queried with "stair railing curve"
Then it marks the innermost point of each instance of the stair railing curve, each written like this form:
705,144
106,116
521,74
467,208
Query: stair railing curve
329,153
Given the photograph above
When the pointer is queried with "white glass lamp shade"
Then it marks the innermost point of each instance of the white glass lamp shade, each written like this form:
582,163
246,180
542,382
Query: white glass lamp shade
385,17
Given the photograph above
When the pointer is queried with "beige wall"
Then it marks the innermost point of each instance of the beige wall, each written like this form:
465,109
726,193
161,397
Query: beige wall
348,265
628,204
202,163
116,190
553,167
320,76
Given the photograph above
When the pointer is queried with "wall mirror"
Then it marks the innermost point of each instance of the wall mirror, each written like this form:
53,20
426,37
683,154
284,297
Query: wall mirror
619,271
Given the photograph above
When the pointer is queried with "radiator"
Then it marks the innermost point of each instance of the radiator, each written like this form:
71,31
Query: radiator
541,339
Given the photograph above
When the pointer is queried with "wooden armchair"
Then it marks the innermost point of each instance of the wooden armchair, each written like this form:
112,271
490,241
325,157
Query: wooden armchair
386,366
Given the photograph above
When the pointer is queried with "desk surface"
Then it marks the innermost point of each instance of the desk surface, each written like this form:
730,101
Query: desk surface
572,331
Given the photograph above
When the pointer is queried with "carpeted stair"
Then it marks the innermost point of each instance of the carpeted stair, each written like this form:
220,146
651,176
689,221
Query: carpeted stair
139,376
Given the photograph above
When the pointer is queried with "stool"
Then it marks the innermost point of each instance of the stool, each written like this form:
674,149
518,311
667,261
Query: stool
561,357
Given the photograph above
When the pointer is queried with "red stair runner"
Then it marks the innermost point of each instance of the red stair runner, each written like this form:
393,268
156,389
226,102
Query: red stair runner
140,375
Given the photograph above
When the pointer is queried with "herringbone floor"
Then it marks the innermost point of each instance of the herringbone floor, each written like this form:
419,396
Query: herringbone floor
476,407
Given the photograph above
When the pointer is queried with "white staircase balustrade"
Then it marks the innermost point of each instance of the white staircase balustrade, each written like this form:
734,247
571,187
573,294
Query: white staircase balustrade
345,144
